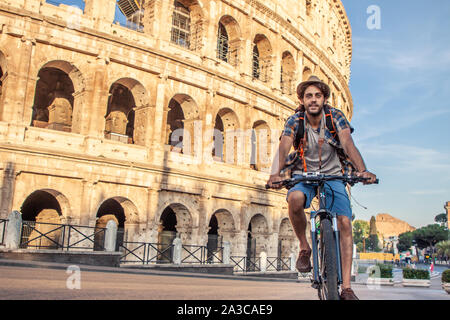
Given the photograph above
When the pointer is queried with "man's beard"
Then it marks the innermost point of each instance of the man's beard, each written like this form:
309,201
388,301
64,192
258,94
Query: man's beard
314,114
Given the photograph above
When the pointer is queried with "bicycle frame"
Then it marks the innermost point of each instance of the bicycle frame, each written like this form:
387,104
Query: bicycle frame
323,213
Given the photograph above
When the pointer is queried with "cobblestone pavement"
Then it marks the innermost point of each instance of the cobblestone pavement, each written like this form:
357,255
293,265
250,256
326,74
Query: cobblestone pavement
18,282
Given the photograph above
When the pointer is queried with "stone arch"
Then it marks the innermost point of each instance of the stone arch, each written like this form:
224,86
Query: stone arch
306,73
261,146
123,212
45,199
257,236
182,112
262,58
229,44
130,211
188,24
54,100
180,215
226,136
45,209
127,97
287,75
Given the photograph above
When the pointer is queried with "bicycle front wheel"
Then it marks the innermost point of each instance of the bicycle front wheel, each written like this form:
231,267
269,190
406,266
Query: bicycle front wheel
329,289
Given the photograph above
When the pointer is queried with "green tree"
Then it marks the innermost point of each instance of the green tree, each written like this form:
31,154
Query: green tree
404,241
441,219
360,231
430,235
372,243
443,248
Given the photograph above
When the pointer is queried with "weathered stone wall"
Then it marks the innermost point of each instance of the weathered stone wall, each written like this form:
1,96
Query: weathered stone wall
389,226
82,167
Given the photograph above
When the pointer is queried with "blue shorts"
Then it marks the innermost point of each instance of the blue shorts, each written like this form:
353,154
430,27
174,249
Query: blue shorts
341,203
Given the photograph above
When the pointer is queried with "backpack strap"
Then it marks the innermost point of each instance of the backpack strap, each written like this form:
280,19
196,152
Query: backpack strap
330,121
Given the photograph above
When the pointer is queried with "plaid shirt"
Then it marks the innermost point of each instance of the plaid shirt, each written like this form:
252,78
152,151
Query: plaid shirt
340,123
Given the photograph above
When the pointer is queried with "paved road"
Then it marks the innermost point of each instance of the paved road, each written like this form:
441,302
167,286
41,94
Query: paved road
18,283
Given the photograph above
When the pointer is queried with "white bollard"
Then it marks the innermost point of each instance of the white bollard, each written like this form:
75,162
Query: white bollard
13,230
293,261
263,257
110,236
226,252
177,247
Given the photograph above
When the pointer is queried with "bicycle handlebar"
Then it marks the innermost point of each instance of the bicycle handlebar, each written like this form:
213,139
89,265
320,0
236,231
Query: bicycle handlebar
314,178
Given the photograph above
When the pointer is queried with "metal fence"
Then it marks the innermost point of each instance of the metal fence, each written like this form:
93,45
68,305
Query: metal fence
43,235
278,264
3,223
145,253
244,264
201,254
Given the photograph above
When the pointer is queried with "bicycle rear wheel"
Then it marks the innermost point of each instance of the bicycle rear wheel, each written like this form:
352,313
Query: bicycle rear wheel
328,289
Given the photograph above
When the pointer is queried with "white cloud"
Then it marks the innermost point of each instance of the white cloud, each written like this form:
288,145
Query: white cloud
410,159
394,55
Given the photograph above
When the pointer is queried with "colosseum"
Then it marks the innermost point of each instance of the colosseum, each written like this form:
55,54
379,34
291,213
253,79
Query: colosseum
137,121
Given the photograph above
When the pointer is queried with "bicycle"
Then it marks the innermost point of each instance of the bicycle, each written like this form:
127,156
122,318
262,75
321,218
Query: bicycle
327,269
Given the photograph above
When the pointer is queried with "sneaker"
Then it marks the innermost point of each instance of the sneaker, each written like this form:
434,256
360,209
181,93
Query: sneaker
304,261
348,294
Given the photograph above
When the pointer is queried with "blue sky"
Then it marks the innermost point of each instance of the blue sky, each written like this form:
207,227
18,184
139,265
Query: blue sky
400,83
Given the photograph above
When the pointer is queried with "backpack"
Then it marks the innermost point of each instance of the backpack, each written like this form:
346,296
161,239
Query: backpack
298,156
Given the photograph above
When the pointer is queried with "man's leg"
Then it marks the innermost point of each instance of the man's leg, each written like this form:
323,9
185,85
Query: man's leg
296,202
346,245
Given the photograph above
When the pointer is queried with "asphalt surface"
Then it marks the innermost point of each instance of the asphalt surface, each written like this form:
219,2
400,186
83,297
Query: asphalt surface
47,281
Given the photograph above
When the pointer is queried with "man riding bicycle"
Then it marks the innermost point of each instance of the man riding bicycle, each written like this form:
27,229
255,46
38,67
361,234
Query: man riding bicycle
319,149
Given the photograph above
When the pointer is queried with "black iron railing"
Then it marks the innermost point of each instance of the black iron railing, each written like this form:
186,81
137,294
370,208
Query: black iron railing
145,252
201,254
3,223
245,264
43,235
278,264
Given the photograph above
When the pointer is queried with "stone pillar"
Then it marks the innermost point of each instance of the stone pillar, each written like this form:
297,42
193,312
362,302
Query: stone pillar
101,10
143,125
13,230
7,176
158,125
156,11
32,5
177,251
110,236
97,97
20,102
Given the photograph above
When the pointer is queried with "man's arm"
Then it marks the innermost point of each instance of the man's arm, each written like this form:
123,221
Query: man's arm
355,156
279,159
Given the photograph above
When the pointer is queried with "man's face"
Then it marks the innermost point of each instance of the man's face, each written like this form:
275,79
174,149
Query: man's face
313,100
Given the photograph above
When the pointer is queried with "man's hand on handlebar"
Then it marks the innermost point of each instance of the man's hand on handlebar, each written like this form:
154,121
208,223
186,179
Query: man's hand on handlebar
368,175
275,178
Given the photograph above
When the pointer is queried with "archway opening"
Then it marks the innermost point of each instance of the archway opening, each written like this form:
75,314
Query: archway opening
53,101
214,240
175,123
111,209
166,234
41,213
120,114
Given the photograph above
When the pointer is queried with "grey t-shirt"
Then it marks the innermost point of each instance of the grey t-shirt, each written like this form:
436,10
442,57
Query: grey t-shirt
330,160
